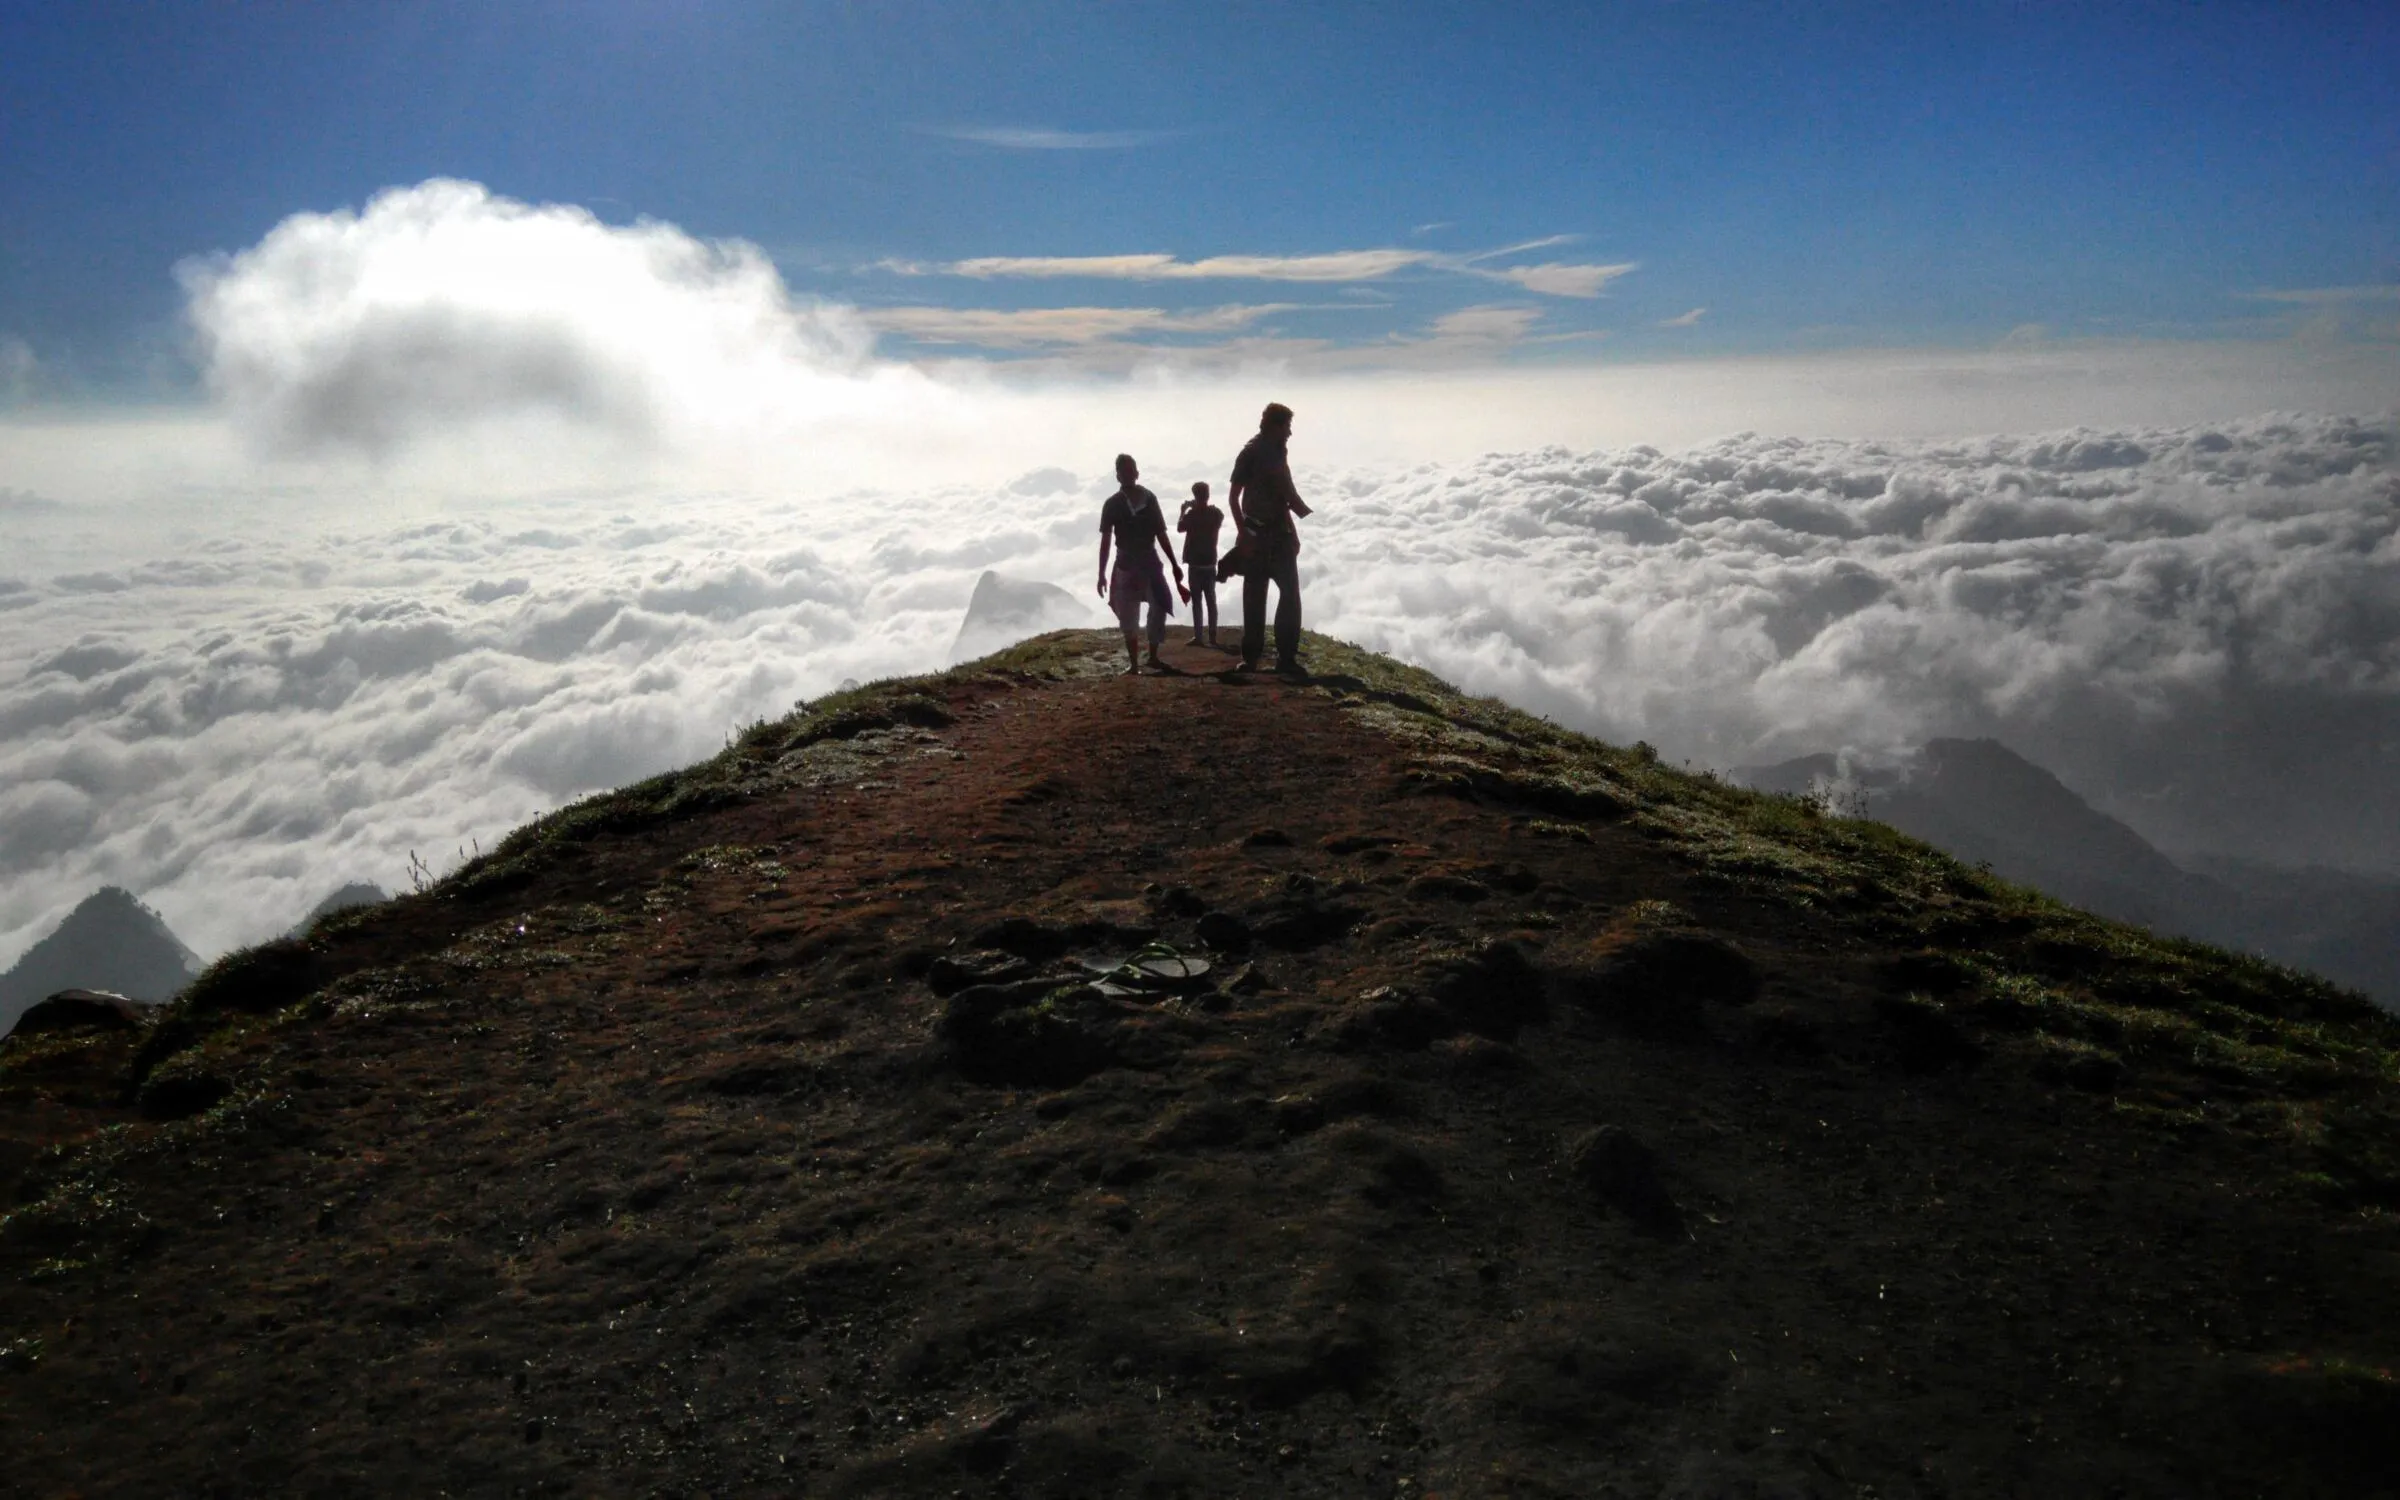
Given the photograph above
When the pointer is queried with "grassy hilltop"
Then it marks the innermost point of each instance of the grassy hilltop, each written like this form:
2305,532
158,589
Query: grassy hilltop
1548,1121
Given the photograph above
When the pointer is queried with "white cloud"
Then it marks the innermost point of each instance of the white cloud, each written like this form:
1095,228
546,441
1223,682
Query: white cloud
240,744
1339,265
2177,621
1684,320
1553,279
1481,330
19,369
2328,295
2166,617
1038,138
233,681
1028,328
441,306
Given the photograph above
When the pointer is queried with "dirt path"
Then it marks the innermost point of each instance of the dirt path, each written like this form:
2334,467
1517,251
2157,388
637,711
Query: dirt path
661,1174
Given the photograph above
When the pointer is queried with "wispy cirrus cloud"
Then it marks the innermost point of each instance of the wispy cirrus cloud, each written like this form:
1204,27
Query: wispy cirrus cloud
2326,296
1340,265
1480,329
1041,327
1551,278
1684,320
1043,138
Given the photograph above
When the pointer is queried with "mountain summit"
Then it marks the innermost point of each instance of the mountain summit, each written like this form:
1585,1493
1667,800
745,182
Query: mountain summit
1035,1081
110,941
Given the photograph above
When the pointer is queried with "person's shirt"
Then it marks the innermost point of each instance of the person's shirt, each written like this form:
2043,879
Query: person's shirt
1199,526
1132,518
1264,477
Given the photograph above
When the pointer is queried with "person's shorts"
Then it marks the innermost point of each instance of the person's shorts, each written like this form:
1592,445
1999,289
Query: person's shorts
1203,576
1128,591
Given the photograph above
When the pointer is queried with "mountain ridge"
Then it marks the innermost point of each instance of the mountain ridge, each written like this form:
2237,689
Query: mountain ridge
1551,1120
1982,802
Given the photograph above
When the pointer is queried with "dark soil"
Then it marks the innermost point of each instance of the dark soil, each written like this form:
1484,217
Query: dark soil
775,1146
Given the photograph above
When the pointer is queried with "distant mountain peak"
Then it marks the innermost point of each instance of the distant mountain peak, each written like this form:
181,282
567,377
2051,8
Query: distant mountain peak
1002,610
356,893
110,941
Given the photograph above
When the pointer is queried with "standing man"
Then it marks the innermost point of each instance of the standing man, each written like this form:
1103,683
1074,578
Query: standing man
1200,522
1264,504
1132,520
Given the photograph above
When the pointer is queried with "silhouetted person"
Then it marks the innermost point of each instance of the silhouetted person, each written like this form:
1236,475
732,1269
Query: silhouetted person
1264,504
1133,520
1200,522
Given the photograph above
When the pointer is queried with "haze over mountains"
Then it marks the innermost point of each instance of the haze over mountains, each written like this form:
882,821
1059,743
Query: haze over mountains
1984,803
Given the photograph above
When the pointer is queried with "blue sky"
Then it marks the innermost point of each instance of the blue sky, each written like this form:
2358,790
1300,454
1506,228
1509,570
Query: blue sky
1812,177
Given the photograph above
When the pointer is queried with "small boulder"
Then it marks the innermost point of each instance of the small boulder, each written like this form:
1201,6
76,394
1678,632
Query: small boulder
82,1010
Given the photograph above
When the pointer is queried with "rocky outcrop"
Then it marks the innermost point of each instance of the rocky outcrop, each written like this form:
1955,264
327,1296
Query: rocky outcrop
81,1010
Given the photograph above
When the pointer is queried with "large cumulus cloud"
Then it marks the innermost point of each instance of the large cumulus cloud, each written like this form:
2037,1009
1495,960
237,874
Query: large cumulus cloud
442,306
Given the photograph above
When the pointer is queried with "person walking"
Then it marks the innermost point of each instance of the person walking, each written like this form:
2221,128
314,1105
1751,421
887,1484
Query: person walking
1265,505
1200,522
1132,520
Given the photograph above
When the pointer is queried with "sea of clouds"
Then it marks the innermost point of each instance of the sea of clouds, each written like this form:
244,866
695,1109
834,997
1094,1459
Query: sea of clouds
500,505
